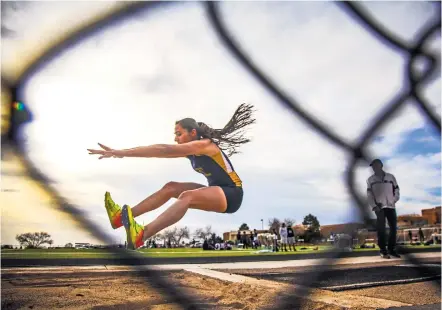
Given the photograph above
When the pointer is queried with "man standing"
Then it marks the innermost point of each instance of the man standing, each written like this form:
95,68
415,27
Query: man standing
382,194
421,235
275,240
244,240
283,234
291,237
255,239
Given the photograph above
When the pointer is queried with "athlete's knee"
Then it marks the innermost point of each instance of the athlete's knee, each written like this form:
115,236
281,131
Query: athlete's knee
187,196
172,189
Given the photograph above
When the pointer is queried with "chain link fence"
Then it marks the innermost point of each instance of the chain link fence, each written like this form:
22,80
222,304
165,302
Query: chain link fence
415,81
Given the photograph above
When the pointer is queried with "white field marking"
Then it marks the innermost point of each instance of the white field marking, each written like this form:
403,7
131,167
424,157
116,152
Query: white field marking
378,283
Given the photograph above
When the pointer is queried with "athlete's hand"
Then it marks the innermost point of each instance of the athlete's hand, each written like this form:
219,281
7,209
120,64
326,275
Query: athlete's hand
105,152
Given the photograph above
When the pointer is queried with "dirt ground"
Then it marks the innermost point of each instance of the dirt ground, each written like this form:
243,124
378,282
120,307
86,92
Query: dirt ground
422,293
122,291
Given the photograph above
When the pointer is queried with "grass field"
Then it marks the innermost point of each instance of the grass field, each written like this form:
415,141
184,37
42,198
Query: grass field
164,253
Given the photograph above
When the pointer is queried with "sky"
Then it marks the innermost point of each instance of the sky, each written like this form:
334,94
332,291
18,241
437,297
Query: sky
126,86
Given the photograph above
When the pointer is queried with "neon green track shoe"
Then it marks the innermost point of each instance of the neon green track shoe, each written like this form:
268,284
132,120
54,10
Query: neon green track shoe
113,211
134,231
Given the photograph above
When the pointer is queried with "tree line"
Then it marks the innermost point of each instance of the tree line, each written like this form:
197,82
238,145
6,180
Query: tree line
171,236
175,236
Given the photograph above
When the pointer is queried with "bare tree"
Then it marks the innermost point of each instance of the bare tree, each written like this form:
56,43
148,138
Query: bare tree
157,238
199,233
274,223
169,235
181,233
160,237
34,240
208,230
203,233
289,221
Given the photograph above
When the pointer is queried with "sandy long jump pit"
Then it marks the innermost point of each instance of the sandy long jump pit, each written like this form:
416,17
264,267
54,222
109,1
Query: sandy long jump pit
120,287
92,289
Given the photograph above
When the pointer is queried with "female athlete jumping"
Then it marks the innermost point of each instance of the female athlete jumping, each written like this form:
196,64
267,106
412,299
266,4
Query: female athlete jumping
205,148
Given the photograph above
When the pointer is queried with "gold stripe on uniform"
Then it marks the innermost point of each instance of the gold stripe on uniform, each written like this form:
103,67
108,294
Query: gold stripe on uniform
218,158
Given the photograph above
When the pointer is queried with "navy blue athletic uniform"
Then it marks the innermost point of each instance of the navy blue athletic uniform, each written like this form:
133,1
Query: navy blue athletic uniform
219,172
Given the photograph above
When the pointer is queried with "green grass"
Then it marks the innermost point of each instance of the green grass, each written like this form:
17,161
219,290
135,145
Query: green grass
163,253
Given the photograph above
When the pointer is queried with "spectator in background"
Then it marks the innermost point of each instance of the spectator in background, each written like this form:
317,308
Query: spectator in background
205,245
332,238
421,235
283,234
227,246
270,239
410,236
238,238
255,239
251,238
383,194
291,237
244,240
275,240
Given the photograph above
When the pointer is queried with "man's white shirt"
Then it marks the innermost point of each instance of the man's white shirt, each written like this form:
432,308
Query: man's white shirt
384,190
283,232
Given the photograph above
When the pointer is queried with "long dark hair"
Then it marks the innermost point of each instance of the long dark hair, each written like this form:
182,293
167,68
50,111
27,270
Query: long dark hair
231,136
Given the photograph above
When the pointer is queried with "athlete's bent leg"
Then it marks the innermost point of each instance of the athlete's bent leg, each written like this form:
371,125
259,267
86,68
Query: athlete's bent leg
210,199
157,199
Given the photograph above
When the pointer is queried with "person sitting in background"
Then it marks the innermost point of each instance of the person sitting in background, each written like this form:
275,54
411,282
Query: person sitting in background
205,245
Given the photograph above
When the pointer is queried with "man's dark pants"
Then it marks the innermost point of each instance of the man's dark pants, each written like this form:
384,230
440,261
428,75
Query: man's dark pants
390,215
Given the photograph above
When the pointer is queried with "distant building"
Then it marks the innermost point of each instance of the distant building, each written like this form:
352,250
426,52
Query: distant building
347,228
231,235
429,218
299,229
432,215
411,220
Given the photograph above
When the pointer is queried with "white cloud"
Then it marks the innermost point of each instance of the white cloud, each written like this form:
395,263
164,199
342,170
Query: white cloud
127,85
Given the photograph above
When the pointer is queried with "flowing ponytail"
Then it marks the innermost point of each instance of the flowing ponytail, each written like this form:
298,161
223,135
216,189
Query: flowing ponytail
231,136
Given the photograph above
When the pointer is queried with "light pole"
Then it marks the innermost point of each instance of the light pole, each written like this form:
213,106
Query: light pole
262,224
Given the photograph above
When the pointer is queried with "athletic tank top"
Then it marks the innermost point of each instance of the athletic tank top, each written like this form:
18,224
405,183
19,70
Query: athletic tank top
216,168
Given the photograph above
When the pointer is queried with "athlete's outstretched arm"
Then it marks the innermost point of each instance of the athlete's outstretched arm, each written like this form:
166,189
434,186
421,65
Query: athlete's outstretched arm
156,150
